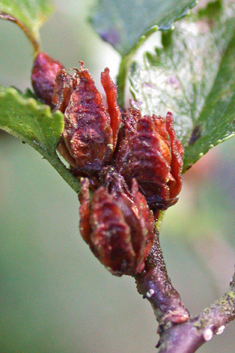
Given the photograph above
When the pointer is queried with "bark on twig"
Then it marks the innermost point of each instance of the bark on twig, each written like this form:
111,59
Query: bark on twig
189,336
155,285
179,333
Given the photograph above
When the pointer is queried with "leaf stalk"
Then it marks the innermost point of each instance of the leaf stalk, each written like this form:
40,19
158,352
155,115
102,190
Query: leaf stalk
32,39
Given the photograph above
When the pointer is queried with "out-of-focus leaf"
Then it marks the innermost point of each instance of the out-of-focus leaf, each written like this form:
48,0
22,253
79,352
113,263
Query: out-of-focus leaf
122,23
31,13
193,76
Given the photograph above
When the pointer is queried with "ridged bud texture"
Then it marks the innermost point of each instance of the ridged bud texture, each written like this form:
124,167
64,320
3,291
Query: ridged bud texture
117,224
150,152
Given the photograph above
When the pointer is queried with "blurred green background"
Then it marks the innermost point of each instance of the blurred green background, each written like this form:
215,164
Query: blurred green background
54,295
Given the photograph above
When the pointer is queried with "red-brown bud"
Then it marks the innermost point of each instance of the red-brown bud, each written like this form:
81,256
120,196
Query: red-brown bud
150,152
43,76
91,129
117,224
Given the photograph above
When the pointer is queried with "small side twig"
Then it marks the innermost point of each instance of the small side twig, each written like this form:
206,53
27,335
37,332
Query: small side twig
179,333
189,336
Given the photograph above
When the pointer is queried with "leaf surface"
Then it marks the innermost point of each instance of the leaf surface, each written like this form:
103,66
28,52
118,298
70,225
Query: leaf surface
33,122
31,13
122,23
24,117
193,76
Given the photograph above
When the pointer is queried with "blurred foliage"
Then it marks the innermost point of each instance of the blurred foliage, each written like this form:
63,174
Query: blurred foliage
124,24
55,296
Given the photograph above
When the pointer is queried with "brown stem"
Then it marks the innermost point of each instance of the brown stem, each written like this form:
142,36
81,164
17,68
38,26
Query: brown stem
155,285
179,333
31,38
189,336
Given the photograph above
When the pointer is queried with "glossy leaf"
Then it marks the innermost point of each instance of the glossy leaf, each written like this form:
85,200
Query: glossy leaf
193,76
123,23
31,13
31,121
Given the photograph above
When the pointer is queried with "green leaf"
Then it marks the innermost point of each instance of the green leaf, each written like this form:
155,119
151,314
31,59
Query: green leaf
31,13
123,23
30,120
193,76
33,122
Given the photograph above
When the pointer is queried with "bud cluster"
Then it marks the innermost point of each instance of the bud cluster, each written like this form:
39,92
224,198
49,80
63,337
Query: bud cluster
132,163
117,224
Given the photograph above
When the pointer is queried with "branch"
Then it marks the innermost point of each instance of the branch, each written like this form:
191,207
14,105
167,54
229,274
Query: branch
155,285
179,333
189,336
